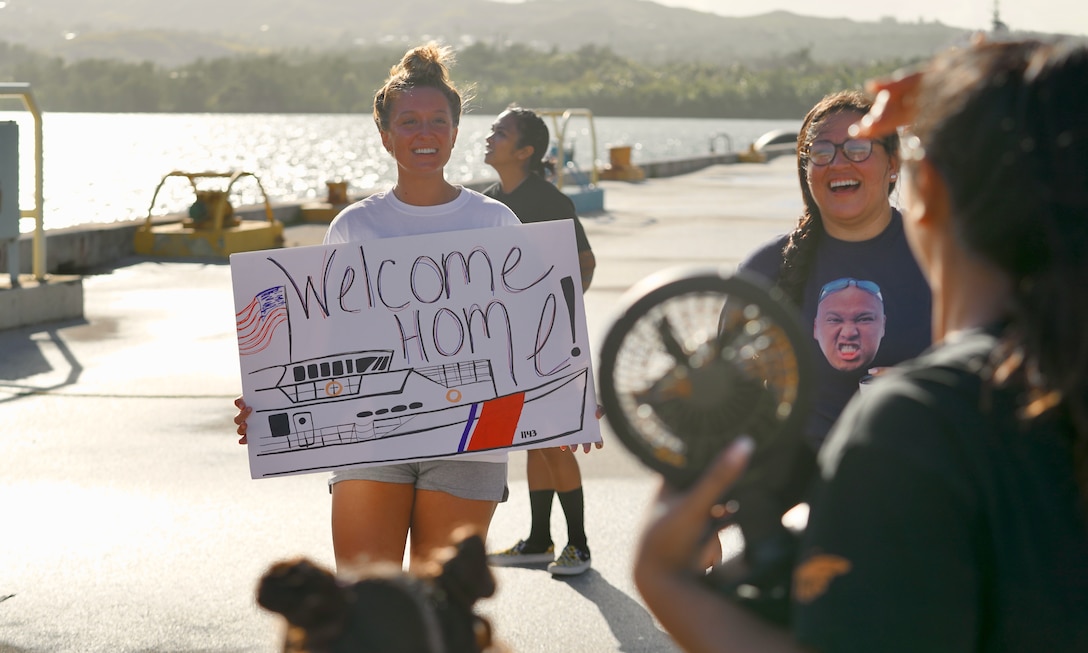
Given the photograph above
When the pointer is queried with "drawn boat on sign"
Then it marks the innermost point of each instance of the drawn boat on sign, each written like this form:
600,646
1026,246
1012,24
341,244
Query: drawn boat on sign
458,398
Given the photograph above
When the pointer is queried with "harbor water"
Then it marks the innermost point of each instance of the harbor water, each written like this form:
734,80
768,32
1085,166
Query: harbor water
104,168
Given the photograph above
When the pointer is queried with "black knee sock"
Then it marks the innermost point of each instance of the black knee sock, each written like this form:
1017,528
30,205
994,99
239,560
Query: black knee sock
574,509
540,504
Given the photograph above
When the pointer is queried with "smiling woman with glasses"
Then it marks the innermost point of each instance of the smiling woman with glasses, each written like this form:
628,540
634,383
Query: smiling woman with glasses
848,233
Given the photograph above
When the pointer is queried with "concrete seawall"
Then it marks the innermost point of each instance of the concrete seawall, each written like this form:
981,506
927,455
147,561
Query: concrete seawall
73,250
82,248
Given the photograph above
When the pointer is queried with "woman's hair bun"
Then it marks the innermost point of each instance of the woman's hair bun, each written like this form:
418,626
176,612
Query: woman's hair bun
306,595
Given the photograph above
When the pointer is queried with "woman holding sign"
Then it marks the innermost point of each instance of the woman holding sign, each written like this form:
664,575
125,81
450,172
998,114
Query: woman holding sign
376,509
515,149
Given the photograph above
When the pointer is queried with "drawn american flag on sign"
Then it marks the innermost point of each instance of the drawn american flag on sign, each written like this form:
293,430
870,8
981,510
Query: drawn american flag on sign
258,320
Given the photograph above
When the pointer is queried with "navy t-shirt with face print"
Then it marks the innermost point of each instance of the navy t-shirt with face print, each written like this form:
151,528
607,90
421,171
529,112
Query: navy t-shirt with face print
849,335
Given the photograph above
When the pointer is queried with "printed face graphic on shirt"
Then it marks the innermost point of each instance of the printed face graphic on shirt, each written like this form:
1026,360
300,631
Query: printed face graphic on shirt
849,323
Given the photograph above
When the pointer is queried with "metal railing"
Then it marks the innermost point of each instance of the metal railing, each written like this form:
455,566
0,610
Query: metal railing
22,90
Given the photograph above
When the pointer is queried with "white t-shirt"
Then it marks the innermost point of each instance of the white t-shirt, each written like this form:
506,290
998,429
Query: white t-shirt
382,215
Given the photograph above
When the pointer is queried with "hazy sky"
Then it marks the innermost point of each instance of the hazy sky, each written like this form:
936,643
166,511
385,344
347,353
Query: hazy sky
1050,16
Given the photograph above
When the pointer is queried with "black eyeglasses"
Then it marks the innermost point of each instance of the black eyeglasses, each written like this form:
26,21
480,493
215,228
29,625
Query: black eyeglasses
821,153
842,284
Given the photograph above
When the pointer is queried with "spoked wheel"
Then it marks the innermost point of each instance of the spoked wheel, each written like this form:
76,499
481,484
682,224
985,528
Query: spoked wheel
697,358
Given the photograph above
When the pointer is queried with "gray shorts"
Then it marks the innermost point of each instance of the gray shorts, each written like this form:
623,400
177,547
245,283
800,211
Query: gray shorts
465,479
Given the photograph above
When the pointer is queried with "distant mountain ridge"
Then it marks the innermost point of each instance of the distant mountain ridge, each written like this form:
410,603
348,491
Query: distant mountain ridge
175,33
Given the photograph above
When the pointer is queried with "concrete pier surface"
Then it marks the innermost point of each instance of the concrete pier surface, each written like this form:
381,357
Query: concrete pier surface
129,522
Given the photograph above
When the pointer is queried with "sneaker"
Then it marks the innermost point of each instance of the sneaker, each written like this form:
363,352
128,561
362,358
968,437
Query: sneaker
571,562
517,555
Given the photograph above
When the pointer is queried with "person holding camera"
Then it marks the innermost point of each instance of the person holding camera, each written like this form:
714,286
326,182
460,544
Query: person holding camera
950,509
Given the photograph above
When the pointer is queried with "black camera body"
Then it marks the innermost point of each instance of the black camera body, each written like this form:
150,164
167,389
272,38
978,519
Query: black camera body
695,359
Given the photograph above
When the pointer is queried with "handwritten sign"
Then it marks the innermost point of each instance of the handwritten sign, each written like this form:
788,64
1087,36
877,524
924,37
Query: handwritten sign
407,349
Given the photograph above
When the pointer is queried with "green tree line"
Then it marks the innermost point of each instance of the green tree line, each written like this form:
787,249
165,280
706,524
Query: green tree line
344,82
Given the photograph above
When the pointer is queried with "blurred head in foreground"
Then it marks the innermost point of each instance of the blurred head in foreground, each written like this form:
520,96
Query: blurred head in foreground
996,159
999,143
384,610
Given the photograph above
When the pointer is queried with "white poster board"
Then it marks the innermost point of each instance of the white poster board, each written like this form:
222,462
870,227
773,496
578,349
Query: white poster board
406,349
